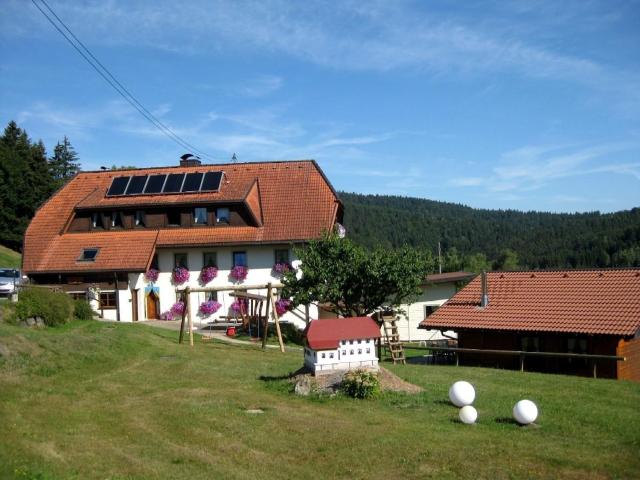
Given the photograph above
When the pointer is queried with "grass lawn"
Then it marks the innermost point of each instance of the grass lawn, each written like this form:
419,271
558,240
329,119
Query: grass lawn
99,400
9,258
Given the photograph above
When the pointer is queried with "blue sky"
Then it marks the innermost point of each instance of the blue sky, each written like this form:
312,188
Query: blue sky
528,105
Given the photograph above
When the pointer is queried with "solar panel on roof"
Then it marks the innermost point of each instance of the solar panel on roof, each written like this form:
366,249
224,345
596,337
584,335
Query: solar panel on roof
118,186
173,183
192,182
136,185
155,183
211,182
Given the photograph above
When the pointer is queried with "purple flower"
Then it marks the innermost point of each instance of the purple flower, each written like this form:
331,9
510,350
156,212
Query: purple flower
178,308
207,274
282,306
209,307
239,306
152,275
239,273
167,316
180,275
281,267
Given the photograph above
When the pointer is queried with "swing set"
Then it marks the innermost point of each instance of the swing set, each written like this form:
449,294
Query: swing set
250,312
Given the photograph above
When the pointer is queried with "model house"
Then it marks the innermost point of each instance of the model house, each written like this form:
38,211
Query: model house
588,312
118,237
341,344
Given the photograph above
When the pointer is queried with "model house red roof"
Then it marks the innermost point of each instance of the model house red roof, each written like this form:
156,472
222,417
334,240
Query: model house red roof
326,334
582,301
290,202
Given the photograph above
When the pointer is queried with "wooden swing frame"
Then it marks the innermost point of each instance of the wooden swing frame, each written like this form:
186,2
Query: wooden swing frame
185,295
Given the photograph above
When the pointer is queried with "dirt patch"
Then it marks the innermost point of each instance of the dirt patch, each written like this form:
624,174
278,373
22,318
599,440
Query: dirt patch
329,383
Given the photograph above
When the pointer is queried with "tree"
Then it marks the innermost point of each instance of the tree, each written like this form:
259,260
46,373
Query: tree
476,263
64,163
25,182
352,281
508,260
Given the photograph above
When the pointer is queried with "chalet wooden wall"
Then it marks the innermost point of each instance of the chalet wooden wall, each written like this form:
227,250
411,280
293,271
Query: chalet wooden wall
629,370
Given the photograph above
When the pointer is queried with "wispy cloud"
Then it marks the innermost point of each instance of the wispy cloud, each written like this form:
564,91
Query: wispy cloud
530,167
378,36
262,86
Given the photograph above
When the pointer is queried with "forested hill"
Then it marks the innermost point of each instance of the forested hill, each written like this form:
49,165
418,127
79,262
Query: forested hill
507,238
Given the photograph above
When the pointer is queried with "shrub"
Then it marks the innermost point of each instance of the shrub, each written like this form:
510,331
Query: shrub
82,310
55,308
360,384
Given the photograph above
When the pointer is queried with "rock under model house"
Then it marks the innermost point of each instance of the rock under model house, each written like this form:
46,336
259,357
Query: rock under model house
341,344
119,237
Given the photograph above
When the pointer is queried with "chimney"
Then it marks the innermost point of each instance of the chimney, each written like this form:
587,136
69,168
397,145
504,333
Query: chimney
189,160
484,301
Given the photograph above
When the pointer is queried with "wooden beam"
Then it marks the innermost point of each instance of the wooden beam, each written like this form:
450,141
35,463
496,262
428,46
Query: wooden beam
187,307
182,296
276,319
265,330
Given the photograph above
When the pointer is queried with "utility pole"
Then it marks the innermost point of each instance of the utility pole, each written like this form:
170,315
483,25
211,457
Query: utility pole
439,259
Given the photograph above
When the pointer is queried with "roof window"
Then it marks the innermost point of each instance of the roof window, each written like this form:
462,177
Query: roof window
89,255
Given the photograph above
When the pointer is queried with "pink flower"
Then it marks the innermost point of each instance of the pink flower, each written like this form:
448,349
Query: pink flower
180,275
178,308
209,307
152,275
207,274
239,306
281,267
282,306
239,273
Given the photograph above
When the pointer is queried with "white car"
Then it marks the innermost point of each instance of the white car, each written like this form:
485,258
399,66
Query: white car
10,278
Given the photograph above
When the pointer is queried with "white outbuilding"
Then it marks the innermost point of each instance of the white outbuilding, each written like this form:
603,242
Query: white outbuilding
341,344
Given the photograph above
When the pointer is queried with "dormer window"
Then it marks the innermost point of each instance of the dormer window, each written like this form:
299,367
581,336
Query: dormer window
96,220
140,218
116,220
88,255
200,215
173,218
222,215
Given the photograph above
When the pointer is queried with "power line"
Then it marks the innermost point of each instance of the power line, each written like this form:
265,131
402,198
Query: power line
113,81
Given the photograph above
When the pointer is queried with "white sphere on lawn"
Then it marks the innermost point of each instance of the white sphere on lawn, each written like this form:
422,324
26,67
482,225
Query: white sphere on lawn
468,414
525,412
462,394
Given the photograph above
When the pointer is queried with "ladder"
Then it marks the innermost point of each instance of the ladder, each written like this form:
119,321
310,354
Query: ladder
389,323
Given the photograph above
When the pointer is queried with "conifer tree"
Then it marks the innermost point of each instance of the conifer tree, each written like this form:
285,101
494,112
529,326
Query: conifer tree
64,163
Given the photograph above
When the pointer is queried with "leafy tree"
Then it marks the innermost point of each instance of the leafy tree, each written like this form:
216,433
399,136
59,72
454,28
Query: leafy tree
353,281
476,263
64,163
508,260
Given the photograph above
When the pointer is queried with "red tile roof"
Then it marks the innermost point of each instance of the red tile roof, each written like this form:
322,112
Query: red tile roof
327,333
582,301
291,202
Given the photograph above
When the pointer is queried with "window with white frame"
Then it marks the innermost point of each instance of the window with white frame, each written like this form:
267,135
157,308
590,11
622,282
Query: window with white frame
200,215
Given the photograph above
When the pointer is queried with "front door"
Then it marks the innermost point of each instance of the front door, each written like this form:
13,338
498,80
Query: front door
152,306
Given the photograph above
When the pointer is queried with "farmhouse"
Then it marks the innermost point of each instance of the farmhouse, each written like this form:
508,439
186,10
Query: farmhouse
590,312
436,290
341,344
103,232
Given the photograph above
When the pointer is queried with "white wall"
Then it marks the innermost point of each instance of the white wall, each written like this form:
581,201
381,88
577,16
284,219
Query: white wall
260,260
433,295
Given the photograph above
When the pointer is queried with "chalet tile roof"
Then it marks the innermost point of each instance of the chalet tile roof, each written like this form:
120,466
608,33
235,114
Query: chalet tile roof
326,334
582,301
291,201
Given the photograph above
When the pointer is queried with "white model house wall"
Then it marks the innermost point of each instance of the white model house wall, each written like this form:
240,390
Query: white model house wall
260,261
351,354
